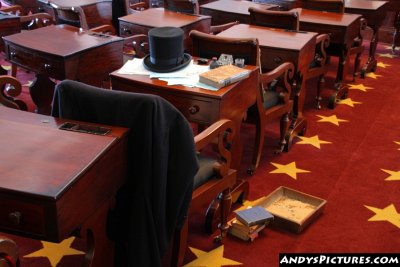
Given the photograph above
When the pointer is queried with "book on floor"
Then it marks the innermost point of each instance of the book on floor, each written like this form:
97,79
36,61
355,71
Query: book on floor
244,232
254,215
223,76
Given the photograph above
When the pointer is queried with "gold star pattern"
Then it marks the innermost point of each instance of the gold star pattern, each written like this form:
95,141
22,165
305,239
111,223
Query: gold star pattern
349,102
314,141
394,176
372,75
397,143
5,67
390,47
214,258
360,87
388,55
382,65
388,214
289,169
55,251
332,119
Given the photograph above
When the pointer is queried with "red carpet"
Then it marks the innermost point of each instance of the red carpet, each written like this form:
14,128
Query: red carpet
356,170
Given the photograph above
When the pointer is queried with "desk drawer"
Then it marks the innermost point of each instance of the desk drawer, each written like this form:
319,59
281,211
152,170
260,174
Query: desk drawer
272,58
39,63
23,217
128,29
193,109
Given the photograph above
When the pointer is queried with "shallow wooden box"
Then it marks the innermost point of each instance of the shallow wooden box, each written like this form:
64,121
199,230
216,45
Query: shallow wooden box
286,199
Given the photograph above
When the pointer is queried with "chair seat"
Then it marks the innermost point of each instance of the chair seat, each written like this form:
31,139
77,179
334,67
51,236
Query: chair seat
271,98
206,170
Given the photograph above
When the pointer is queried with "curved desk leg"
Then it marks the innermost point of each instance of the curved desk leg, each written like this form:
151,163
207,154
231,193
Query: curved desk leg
342,89
42,90
396,30
259,138
371,63
299,123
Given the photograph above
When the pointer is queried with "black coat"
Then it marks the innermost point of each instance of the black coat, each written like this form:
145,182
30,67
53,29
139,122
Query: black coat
162,164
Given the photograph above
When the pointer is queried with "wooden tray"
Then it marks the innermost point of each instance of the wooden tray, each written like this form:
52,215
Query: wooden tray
293,210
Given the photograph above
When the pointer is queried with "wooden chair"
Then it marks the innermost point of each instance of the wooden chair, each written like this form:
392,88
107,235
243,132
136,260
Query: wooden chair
11,88
274,19
357,47
271,103
213,181
8,253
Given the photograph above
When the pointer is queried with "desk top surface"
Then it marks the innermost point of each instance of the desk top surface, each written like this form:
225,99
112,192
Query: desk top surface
365,5
235,6
271,37
60,40
71,3
160,17
326,18
40,159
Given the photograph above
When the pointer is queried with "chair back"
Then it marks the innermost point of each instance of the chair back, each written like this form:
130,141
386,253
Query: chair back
183,6
208,46
275,19
74,16
336,6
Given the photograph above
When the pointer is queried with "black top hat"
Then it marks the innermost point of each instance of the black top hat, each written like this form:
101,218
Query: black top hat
166,50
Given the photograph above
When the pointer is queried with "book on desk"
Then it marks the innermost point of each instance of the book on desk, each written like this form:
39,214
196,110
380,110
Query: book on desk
223,76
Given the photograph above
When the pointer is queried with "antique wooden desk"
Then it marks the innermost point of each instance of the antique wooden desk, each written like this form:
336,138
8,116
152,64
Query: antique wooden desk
97,12
63,52
27,5
278,46
224,11
342,29
55,183
200,105
9,24
374,12
142,22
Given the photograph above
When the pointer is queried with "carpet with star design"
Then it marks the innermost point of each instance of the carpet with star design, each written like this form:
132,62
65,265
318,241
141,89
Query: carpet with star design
349,156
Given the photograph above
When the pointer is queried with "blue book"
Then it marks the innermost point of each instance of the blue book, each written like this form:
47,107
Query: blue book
253,216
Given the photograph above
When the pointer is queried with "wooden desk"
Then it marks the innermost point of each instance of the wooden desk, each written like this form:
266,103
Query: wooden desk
63,52
278,46
142,22
54,183
200,105
374,12
225,11
390,29
9,24
342,28
97,12
27,5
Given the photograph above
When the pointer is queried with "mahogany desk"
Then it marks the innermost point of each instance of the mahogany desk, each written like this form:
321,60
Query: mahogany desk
225,11
374,12
27,5
143,21
97,12
278,46
54,183
9,24
63,52
200,105
342,29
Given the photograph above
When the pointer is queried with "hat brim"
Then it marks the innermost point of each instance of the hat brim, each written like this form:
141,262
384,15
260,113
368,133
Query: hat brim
152,67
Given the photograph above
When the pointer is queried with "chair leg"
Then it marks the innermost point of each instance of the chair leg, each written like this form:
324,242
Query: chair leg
357,62
14,70
284,126
225,209
320,85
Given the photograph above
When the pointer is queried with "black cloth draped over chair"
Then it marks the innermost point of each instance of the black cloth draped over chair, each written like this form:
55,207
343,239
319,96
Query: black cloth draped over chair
162,164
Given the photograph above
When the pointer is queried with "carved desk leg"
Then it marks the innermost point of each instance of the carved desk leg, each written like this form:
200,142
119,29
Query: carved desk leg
342,89
396,30
259,138
299,123
42,90
371,63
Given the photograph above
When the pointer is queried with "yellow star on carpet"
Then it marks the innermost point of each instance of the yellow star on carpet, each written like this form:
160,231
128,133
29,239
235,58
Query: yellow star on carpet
360,87
349,102
389,214
382,65
394,176
332,119
5,67
55,251
390,47
372,75
388,55
397,143
314,141
289,169
214,258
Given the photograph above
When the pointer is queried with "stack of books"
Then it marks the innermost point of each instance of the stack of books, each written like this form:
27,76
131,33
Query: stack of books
249,222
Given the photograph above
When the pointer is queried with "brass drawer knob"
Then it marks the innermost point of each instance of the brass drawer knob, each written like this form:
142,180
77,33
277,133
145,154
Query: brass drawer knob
47,66
277,60
15,217
194,109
